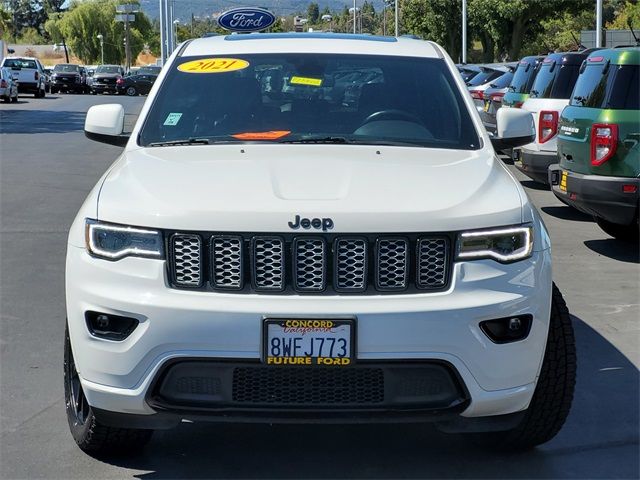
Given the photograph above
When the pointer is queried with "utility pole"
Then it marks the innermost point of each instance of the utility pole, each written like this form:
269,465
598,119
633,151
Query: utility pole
101,38
598,23
384,18
127,41
464,31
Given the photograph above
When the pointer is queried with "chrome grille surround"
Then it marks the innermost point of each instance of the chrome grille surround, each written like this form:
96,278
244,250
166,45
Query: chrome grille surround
392,263
433,261
309,264
226,262
187,254
268,263
350,264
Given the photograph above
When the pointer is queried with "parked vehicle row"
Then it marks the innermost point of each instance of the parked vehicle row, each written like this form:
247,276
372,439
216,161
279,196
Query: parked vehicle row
28,75
586,110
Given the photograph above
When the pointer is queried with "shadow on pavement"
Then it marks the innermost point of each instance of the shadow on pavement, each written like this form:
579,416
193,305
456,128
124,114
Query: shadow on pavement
600,439
615,249
565,212
40,121
535,185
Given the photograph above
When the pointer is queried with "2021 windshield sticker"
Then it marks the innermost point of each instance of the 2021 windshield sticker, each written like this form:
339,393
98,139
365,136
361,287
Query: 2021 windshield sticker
172,119
213,65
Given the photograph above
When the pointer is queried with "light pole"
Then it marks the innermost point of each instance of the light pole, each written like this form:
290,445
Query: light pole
101,38
598,23
397,19
464,31
175,33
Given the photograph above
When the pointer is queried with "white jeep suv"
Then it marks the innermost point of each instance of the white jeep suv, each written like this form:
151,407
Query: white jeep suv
328,236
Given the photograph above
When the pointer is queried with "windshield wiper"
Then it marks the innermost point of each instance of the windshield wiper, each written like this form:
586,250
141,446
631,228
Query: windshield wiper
185,141
319,140
580,99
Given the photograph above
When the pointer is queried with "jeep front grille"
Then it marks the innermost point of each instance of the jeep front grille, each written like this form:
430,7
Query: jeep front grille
334,264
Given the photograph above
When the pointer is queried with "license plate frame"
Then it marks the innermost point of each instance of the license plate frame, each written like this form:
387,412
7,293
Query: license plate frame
312,361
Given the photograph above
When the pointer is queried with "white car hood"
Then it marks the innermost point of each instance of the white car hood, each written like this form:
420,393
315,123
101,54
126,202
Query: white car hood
261,188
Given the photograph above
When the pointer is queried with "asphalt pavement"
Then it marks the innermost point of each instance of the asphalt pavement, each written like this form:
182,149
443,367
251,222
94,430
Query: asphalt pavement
44,179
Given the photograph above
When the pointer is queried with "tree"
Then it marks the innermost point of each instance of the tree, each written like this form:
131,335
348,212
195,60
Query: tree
313,13
437,20
627,16
86,19
25,14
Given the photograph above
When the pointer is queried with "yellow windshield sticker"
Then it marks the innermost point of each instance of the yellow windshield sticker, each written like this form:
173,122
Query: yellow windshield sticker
313,82
213,65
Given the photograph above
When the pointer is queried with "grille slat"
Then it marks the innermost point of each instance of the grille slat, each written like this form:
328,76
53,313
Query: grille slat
306,264
393,265
226,261
309,263
187,254
268,263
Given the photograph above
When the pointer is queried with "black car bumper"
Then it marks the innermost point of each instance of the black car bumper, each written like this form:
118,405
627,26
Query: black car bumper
28,87
536,165
249,392
66,85
102,88
597,195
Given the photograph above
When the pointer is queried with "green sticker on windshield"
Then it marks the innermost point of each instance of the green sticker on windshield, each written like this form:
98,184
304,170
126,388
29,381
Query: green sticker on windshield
172,119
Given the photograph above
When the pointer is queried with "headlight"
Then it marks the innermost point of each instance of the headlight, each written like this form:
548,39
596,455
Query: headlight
505,245
113,242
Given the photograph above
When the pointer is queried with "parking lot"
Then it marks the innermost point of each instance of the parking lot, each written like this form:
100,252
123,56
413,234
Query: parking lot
44,180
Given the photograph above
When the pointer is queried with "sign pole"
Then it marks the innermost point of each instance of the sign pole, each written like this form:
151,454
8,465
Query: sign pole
397,17
464,31
598,23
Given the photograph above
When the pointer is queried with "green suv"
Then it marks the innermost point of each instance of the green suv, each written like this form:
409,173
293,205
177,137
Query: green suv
522,81
598,142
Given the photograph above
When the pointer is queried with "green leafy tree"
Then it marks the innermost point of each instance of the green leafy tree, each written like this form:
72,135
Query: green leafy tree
626,17
437,20
313,13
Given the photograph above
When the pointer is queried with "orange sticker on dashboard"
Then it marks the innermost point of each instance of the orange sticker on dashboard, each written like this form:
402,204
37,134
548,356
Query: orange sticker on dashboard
270,135
213,65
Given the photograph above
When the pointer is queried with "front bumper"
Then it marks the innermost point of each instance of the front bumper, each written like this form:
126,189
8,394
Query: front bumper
183,325
597,195
102,88
536,164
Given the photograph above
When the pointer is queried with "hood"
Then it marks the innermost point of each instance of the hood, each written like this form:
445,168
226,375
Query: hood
263,187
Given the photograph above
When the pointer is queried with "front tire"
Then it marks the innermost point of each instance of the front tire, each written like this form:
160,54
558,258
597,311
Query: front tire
89,434
624,233
553,395
131,91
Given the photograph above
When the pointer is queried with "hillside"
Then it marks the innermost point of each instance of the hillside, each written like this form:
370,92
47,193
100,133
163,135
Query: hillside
184,8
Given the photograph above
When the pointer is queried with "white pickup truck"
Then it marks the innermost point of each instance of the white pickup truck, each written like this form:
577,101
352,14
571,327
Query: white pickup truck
275,244
30,74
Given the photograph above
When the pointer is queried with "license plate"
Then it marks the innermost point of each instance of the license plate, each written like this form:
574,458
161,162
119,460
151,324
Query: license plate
486,105
308,342
563,181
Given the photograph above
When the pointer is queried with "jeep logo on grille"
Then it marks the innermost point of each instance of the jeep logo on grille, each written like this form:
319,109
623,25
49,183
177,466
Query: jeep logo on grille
307,223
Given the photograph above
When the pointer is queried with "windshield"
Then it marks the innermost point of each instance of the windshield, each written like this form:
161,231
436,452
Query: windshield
502,81
108,69
319,98
608,86
20,63
523,78
484,77
555,81
66,68
149,71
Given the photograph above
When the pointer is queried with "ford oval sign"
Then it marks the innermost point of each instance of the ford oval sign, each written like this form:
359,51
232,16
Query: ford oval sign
246,19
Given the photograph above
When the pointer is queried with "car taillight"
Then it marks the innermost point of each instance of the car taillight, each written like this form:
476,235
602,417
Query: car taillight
35,75
547,125
3,83
518,104
119,81
604,141
476,94
497,97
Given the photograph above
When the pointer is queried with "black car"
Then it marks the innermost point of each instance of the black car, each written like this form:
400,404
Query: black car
136,84
66,77
105,78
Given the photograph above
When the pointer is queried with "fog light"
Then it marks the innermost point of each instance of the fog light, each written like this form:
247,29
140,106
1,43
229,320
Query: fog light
509,329
108,326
